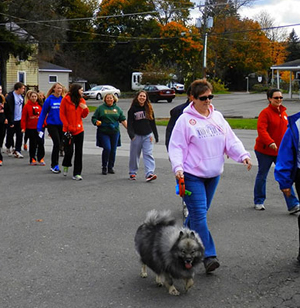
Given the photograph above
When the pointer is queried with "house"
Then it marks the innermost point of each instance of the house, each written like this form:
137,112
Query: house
291,66
49,73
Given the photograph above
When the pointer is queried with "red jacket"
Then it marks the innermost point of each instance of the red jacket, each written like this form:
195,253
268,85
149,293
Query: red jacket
271,126
71,117
30,115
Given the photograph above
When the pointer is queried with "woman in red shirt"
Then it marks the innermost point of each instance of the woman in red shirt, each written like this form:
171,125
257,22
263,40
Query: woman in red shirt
72,109
30,115
271,126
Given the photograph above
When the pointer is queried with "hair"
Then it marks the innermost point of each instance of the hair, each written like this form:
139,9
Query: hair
32,92
114,97
200,86
74,94
148,106
27,95
2,99
51,90
270,92
18,86
188,91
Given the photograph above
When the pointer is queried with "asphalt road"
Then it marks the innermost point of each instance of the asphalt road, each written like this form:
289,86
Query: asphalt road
68,244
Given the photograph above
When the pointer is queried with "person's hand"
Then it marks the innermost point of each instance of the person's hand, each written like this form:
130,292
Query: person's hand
273,146
5,121
286,191
22,130
41,134
98,122
82,105
247,162
11,126
179,174
151,139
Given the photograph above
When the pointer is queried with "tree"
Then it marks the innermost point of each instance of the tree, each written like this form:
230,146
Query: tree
293,47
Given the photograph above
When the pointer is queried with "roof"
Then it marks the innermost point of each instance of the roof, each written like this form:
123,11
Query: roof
50,67
288,66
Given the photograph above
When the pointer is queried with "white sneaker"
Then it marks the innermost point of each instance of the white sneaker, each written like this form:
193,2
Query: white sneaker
9,152
18,154
259,207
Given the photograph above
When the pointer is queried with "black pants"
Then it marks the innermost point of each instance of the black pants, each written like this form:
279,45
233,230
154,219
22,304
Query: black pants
10,136
77,140
36,144
56,133
2,134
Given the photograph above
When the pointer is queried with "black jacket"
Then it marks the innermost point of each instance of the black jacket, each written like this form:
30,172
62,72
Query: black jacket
9,107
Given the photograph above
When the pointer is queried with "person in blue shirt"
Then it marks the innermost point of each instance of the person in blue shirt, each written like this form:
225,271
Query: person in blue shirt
50,113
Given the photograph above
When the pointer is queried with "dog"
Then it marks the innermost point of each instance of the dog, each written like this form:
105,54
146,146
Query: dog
170,251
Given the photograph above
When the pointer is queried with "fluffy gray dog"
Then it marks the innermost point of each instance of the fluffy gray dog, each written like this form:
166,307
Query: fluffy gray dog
170,251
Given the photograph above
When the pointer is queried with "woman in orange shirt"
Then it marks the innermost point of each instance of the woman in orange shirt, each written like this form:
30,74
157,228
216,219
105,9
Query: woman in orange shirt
72,109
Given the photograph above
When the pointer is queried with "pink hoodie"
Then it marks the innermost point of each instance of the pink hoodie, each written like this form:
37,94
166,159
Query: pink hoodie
198,143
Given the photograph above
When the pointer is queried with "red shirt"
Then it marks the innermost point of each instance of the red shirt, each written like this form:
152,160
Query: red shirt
30,115
271,126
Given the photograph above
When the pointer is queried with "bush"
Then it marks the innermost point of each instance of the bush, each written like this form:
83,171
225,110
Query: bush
218,86
258,87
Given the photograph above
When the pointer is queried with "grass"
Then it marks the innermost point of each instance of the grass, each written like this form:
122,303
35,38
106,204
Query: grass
235,123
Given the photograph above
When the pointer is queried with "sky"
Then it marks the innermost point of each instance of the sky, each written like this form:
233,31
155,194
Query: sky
283,12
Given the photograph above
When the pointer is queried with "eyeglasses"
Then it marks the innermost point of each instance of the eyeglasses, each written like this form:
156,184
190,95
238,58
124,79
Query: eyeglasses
204,98
278,97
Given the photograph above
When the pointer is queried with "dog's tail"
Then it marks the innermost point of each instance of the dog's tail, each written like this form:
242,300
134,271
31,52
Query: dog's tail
159,218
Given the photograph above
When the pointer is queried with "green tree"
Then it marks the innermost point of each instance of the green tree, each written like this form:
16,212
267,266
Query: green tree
293,47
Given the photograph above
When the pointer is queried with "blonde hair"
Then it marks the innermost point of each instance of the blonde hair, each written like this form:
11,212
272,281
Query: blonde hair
114,97
51,90
27,96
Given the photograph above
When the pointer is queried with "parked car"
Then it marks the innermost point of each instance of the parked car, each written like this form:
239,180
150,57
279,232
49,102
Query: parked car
158,93
98,92
178,87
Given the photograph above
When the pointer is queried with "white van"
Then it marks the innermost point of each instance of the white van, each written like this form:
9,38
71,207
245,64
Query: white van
136,81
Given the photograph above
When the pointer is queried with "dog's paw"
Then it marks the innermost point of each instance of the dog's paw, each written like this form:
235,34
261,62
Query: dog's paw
159,281
188,284
173,291
144,271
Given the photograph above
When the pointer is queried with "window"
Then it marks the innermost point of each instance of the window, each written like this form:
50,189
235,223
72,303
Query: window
52,78
22,77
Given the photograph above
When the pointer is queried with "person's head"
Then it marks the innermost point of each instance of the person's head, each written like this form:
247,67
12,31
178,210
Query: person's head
32,96
142,99
76,93
27,95
19,88
0,89
109,99
201,92
57,90
274,97
188,93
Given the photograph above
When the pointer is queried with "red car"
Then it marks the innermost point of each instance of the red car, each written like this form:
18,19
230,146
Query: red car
159,93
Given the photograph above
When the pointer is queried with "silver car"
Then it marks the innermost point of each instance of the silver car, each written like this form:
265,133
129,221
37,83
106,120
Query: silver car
98,92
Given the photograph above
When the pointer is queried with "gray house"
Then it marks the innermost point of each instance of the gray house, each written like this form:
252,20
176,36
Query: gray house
50,73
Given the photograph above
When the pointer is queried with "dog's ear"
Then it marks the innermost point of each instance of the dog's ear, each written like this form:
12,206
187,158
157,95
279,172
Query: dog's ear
180,235
192,234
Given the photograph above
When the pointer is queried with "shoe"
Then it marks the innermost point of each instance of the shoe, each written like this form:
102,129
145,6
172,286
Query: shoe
0,162
65,170
111,171
42,162
77,177
295,209
132,177
33,162
104,171
55,169
151,177
25,147
9,152
18,154
210,264
259,207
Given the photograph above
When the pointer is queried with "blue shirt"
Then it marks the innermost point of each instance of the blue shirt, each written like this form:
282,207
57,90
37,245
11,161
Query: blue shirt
18,106
51,108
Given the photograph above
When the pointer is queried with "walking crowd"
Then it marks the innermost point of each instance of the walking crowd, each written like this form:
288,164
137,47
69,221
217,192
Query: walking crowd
198,138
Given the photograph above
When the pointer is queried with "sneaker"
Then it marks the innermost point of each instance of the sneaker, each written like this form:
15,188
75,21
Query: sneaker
132,177
25,147
295,209
259,207
18,154
104,171
33,162
111,171
1,162
66,169
42,162
55,169
9,152
77,177
210,264
185,211
151,177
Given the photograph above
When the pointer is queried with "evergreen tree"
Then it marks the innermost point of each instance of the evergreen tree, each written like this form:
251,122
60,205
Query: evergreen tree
293,47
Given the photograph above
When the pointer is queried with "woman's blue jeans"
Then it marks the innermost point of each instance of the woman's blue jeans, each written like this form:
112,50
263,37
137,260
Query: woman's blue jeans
264,165
198,204
109,144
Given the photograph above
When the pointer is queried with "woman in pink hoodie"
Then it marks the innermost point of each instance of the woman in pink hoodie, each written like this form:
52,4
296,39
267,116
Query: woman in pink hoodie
199,140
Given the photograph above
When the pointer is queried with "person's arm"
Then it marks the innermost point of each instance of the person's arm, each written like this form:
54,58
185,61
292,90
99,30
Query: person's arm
44,112
24,118
96,117
263,123
154,128
130,119
85,109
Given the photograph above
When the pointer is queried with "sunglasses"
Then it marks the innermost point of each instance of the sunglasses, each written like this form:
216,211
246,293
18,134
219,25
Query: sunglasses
278,97
204,98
